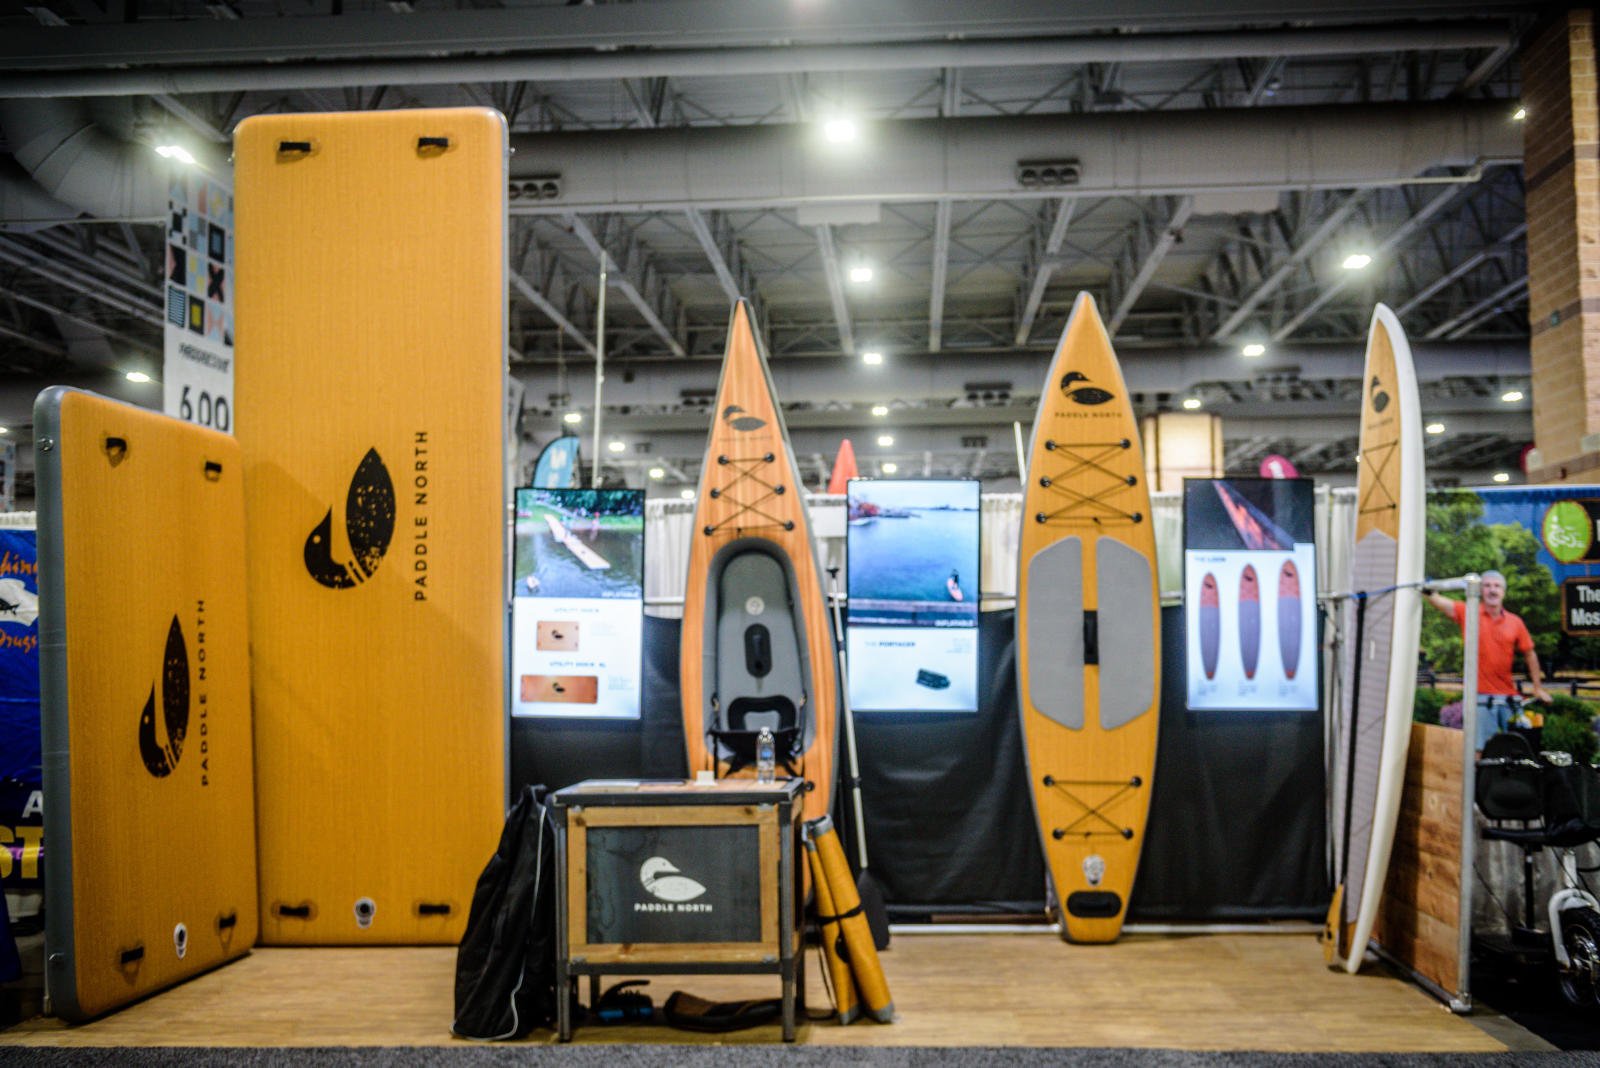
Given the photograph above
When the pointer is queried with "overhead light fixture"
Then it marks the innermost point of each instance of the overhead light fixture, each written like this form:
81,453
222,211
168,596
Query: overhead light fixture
1511,396
658,472
1434,428
137,376
5,430
890,467
872,356
1255,348
572,418
1191,403
860,274
1501,476
880,409
177,152
1519,114
686,494
1356,261
840,130
615,445
885,440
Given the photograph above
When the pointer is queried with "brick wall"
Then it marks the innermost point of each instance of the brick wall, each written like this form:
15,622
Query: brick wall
1562,165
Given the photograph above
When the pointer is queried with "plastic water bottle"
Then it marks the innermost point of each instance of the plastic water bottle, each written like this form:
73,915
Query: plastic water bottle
765,763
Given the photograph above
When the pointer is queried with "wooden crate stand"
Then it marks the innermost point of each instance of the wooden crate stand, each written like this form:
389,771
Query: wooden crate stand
585,813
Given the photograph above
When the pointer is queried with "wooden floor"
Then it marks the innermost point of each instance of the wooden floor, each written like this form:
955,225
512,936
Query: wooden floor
1201,992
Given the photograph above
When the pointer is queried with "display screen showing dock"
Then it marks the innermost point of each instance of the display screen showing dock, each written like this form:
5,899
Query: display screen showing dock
577,603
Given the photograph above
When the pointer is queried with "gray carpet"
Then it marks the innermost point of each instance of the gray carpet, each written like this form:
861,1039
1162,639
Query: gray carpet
578,1056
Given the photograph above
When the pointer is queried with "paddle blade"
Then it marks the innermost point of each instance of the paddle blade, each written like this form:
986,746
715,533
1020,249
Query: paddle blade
877,912
1330,926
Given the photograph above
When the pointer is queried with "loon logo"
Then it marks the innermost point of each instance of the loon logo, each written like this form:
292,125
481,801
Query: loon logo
662,880
160,758
18,604
732,415
368,524
1082,394
1380,399
1094,865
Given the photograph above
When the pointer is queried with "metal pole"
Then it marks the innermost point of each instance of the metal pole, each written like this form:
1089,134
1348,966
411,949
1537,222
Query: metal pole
1022,458
599,371
1462,1002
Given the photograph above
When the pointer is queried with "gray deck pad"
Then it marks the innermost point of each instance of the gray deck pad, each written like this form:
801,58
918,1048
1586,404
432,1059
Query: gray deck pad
1373,566
1055,632
1127,633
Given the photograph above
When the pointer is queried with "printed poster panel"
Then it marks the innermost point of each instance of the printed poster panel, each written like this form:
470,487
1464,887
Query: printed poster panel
673,885
577,629
1250,594
913,552
197,372
1546,543
21,802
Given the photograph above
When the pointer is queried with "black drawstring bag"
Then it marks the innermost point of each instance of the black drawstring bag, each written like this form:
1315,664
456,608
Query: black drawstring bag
506,966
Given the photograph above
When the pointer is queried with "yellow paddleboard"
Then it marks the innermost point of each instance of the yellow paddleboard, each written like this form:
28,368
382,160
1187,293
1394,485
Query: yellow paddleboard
1088,631
145,700
370,399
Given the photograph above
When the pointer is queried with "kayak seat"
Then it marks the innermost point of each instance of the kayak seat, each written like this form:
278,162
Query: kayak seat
758,672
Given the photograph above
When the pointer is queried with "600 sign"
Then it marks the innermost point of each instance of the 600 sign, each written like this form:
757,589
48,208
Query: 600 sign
204,409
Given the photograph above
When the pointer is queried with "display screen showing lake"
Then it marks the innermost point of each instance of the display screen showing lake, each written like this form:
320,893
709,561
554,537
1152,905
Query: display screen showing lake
913,557
578,603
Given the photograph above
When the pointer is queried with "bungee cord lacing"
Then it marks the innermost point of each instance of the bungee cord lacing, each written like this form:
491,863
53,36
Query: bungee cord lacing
1088,508
1093,812
1380,456
746,466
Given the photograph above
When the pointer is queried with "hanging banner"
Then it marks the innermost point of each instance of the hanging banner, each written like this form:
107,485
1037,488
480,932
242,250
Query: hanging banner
21,803
1546,542
1250,594
197,373
558,464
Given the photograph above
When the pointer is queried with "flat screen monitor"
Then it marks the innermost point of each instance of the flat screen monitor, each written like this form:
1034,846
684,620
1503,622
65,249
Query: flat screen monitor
1250,594
577,616
912,554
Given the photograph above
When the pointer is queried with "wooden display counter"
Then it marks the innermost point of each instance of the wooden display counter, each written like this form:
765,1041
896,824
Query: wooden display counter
677,878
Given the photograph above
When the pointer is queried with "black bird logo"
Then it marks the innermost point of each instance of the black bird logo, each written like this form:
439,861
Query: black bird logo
368,523
1380,399
8,607
160,759
742,422
1082,394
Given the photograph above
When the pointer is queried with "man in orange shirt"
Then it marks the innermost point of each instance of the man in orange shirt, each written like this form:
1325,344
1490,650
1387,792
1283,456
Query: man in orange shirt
1501,635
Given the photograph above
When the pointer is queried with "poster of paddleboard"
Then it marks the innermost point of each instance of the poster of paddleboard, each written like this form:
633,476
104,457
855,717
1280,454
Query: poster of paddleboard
912,550
577,620
1250,594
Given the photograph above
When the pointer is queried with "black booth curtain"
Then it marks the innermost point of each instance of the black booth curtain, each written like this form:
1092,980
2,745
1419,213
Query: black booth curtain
1236,825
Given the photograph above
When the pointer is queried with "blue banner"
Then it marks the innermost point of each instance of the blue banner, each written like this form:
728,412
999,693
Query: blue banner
558,464
21,808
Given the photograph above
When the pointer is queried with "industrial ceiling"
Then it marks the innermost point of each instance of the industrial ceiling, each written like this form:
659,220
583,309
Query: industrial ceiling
1204,169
